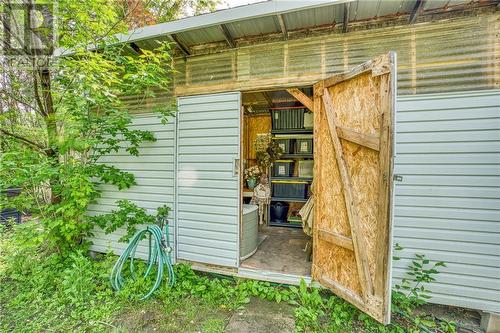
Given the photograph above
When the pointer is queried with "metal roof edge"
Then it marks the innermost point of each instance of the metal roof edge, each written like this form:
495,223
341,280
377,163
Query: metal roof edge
251,11
245,12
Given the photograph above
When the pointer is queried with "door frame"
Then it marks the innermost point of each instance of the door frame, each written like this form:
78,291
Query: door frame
264,275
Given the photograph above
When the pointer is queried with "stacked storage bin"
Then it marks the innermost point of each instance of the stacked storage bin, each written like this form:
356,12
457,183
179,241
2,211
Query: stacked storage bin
287,119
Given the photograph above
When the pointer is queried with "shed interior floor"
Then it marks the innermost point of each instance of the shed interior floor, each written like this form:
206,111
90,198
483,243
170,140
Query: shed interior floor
281,251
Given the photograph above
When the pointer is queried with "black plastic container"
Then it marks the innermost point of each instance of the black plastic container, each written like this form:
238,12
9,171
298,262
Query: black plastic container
283,168
287,119
10,214
12,192
304,146
279,211
290,190
285,145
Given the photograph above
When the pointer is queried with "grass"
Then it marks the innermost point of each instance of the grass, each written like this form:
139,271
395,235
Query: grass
189,315
51,292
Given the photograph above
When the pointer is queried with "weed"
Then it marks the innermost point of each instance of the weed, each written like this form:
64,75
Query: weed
412,291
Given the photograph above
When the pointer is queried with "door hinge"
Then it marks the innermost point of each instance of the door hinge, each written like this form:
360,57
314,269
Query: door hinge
398,178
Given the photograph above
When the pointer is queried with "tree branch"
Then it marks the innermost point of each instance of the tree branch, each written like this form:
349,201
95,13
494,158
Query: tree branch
37,93
17,100
23,140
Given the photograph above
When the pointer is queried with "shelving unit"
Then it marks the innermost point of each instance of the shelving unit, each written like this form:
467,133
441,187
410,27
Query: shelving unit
288,199
296,156
293,135
301,179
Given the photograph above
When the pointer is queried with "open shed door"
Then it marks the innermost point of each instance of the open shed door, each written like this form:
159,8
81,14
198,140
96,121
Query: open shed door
353,161
208,152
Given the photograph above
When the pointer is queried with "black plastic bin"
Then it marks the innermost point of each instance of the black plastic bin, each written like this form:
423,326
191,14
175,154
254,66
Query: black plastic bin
283,168
279,212
7,214
304,146
286,119
10,214
290,190
285,145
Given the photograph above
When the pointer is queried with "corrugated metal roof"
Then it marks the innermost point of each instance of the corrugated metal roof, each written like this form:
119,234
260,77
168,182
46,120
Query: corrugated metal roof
201,36
261,19
314,17
253,27
311,17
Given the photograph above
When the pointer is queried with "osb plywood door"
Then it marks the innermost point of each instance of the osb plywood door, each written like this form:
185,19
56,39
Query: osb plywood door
353,154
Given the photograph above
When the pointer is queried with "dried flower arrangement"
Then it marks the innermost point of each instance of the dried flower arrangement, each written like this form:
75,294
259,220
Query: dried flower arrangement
267,151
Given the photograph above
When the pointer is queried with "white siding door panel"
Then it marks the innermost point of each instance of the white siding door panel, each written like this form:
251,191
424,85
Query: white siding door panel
208,146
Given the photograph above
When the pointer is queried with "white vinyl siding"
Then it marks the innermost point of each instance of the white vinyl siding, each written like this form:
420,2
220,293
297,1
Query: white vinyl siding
154,174
207,189
448,204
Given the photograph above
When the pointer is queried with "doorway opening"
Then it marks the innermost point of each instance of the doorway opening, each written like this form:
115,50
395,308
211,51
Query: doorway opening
277,177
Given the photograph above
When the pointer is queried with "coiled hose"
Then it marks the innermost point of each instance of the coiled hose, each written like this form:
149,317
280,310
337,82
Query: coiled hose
159,254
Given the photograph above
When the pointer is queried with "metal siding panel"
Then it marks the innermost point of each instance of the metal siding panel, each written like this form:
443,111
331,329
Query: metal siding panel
212,234
451,180
448,235
482,273
119,158
449,191
448,136
415,209
155,184
197,257
436,201
451,147
447,125
207,195
474,261
446,223
214,182
447,205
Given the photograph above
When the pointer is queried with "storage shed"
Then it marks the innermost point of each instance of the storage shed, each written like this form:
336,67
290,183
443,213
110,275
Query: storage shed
405,90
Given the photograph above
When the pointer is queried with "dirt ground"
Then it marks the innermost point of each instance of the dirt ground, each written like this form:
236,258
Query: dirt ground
467,321
263,317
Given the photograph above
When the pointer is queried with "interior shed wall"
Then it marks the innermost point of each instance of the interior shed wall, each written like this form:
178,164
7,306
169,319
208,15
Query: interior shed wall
448,204
450,55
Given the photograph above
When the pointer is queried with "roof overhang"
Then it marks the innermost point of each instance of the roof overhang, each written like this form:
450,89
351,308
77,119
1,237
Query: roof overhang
241,13
236,26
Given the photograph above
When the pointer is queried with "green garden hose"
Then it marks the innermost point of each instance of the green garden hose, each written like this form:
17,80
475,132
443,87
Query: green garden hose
159,254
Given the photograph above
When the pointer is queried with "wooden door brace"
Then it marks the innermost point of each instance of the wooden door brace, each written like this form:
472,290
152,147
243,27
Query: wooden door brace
350,201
